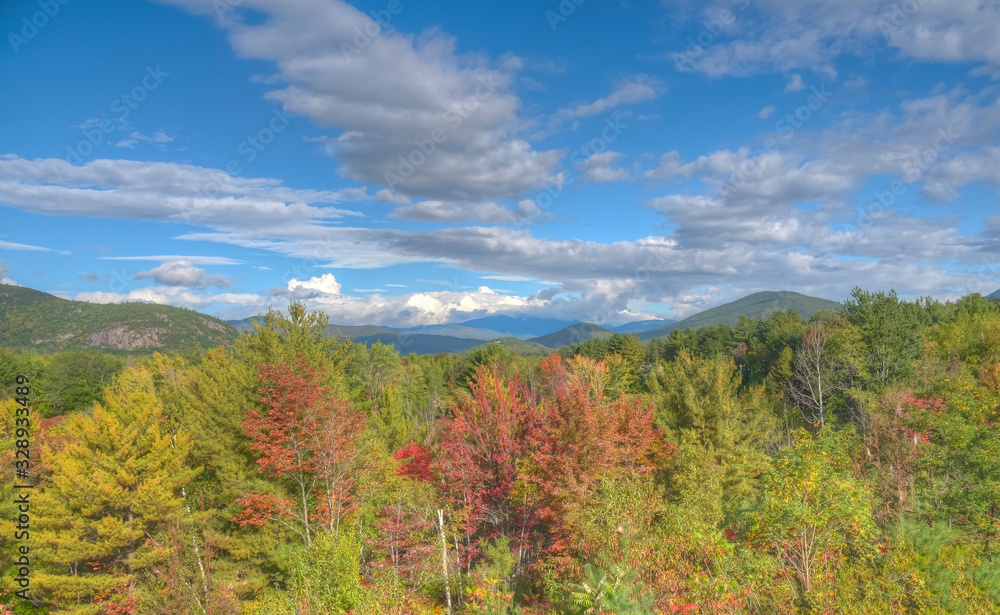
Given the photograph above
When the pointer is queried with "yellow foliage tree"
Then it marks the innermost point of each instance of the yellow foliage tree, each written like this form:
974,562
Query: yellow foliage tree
115,482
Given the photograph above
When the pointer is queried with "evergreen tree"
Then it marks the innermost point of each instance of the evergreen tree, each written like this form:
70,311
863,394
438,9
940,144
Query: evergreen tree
115,482
892,337
699,406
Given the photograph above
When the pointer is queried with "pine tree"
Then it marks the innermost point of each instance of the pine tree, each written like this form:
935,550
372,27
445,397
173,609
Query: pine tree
699,405
115,483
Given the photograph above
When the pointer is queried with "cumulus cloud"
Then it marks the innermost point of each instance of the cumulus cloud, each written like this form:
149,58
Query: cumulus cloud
603,168
321,286
4,269
812,34
183,273
415,115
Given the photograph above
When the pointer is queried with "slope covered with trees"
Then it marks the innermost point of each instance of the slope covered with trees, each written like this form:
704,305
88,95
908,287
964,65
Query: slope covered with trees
33,320
757,305
848,463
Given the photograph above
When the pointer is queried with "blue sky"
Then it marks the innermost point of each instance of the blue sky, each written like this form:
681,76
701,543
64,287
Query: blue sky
403,163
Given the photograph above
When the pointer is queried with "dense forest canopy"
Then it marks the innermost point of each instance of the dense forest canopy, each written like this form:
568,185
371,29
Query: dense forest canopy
844,463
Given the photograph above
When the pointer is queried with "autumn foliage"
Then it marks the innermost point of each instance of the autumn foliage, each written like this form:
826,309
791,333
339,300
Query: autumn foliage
301,474
584,439
311,439
484,449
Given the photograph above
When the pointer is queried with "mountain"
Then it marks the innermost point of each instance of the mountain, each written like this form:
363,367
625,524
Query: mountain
244,323
756,305
453,338
353,331
453,331
579,332
524,348
642,325
994,295
419,343
31,319
521,327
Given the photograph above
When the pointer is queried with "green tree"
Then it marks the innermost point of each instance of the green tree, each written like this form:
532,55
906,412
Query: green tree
890,333
77,378
630,348
490,354
812,515
286,339
698,405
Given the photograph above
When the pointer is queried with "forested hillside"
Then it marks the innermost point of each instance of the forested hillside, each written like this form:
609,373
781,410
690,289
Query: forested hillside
757,305
30,319
846,463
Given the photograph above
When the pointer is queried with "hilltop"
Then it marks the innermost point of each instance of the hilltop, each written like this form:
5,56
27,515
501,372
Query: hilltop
757,305
31,319
579,332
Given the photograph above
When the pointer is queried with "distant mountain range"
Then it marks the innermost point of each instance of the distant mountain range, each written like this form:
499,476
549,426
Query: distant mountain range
642,325
30,319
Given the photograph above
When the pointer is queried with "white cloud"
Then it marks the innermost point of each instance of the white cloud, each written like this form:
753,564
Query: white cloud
602,168
10,245
162,191
766,112
453,115
811,34
485,213
637,89
183,273
171,295
158,137
320,286
795,84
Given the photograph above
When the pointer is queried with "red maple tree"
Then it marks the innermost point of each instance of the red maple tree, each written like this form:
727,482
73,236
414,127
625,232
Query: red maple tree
311,440
418,464
482,454
583,439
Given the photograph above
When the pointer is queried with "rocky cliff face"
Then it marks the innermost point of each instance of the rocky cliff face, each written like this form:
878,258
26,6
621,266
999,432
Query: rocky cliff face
120,337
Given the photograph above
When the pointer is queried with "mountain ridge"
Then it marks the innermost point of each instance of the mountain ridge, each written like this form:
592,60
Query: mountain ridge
755,305
36,320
